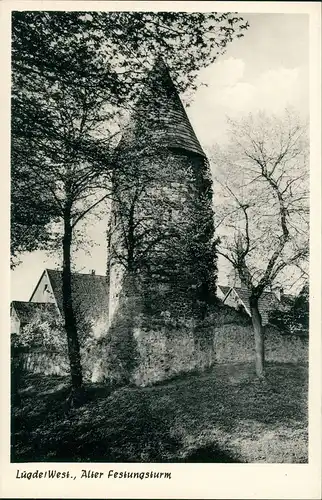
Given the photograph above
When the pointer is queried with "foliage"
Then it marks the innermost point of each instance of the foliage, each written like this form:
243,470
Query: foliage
59,103
30,214
56,106
71,73
129,39
44,331
301,308
295,319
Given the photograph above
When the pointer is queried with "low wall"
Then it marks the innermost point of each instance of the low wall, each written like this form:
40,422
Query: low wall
46,362
235,343
162,356
49,363
162,353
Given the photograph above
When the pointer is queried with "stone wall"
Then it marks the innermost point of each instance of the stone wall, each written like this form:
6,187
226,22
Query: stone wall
163,355
163,352
50,362
46,362
235,343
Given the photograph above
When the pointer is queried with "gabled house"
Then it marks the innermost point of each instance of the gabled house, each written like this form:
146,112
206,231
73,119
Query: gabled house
238,298
90,300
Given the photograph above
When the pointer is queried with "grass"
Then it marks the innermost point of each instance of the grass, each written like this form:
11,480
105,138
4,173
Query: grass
224,415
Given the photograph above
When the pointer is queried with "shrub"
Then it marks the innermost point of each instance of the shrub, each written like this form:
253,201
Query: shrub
294,320
44,331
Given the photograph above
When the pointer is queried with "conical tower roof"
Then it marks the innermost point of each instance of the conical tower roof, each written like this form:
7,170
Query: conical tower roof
160,111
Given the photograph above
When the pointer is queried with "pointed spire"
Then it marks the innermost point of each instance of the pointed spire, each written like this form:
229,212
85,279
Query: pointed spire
159,107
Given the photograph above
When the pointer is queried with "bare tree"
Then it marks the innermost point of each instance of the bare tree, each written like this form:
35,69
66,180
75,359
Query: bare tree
262,205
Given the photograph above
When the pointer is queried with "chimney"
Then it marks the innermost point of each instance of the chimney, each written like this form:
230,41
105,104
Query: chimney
279,292
93,272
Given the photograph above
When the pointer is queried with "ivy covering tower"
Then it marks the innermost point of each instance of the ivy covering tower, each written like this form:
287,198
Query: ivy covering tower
161,238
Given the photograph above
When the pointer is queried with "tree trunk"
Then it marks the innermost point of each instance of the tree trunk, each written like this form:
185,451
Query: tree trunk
69,316
259,337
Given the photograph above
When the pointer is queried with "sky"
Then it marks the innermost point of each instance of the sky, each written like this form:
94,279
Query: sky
267,69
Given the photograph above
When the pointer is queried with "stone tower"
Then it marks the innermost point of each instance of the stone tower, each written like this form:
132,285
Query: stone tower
161,229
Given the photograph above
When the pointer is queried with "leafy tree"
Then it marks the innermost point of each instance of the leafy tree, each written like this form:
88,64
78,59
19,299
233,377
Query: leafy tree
53,122
301,309
295,318
112,50
30,214
262,212
71,74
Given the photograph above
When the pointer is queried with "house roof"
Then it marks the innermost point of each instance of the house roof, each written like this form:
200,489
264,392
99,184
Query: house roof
159,109
224,289
89,293
267,302
26,311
